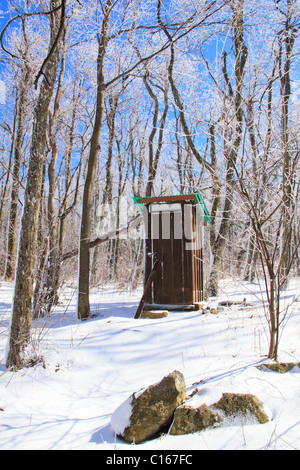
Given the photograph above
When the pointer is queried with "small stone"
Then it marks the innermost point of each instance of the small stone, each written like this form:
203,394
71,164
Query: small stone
154,314
214,311
198,306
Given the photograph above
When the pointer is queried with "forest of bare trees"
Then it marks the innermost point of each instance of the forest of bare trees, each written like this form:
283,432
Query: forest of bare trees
106,100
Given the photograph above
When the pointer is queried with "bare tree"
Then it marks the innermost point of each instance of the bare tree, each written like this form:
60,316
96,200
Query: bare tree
273,243
87,202
24,87
269,187
23,291
286,39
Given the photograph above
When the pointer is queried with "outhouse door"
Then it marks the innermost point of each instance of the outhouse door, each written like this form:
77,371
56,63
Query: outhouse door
174,236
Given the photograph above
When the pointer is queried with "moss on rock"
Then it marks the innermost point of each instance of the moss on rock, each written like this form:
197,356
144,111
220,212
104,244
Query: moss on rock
239,404
282,367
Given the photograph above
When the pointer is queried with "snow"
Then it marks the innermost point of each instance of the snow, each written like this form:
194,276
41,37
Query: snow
120,419
90,368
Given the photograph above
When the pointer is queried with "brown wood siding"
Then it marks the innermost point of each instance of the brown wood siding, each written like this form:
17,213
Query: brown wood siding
197,262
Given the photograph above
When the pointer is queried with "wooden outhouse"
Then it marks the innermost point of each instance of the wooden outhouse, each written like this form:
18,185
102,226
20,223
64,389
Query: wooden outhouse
174,230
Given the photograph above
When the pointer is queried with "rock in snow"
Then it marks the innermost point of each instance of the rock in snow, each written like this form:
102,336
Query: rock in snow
146,413
188,419
151,410
242,404
120,419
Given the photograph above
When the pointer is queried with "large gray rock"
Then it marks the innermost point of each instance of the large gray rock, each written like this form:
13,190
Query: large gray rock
146,413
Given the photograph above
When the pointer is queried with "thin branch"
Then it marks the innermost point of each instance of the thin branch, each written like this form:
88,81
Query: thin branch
22,16
56,41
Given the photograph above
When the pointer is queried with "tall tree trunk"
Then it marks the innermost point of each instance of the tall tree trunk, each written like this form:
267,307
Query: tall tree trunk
23,292
66,207
241,54
106,201
83,303
12,225
48,292
288,40
4,187
216,189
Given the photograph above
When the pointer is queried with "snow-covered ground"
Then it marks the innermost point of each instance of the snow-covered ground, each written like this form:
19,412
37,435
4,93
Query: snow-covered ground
91,367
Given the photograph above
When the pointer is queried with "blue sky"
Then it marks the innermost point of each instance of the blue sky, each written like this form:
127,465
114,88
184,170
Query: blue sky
4,17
